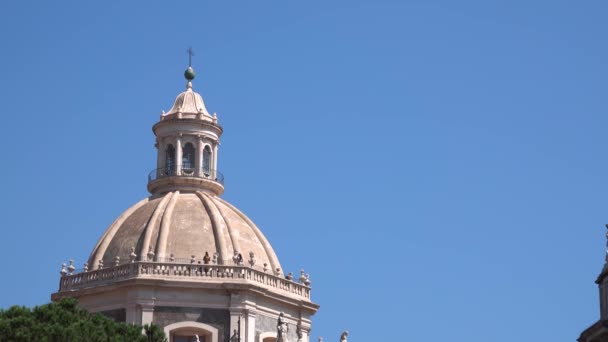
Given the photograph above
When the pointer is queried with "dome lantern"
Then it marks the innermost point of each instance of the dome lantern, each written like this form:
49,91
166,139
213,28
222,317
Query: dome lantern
187,142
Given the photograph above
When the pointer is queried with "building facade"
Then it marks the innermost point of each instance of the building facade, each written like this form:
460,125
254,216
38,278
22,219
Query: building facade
186,259
598,332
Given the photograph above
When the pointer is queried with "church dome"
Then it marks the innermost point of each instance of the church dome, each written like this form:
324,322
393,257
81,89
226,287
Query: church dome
184,258
182,227
189,102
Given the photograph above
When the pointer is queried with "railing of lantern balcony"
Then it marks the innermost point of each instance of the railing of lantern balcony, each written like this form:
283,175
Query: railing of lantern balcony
186,170
182,271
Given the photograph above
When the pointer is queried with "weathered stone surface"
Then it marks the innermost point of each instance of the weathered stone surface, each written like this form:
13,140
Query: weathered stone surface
220,319
183,224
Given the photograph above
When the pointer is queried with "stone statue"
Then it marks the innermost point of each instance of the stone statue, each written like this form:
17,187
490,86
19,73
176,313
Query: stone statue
299,332
282,328
344,336
235,336
197,339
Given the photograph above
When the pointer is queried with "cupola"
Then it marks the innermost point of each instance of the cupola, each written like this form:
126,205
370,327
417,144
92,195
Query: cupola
187,141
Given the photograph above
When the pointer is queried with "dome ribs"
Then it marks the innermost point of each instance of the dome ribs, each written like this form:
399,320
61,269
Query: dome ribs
189,102
102,244
213,214
235,243
165,226
152,224
274,261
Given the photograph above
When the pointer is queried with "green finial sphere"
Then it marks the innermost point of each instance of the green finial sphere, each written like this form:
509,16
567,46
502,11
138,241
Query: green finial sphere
189,74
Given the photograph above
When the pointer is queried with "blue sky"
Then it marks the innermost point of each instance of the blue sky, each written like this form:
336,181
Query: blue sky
438,167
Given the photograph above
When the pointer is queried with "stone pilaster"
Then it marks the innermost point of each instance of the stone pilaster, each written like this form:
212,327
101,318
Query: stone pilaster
133,314
178,154
199,156
214,156
147,313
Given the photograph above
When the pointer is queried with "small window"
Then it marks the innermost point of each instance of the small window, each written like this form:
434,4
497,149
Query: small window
188,158
207,161
170,160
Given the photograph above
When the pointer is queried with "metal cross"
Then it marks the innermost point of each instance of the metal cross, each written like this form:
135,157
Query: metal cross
190,54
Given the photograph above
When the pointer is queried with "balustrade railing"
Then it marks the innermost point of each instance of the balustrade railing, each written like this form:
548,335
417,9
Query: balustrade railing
192,271
186,170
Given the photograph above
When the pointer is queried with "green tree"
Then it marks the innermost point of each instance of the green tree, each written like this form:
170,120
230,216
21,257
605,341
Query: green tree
64,321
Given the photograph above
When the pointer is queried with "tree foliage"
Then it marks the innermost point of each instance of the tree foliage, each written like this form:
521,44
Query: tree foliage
64,321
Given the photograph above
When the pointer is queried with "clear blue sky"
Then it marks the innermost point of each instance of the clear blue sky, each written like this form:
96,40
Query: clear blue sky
439,167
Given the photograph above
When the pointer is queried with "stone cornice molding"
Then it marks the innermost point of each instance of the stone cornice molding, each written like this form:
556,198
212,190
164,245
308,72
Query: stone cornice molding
159,283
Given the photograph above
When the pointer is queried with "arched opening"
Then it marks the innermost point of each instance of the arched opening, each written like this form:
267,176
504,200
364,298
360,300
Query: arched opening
207,161
169,160
188,158
267,337
187,332
187,338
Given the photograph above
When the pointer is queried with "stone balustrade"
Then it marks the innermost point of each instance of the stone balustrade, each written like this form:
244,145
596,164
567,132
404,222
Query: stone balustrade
172,270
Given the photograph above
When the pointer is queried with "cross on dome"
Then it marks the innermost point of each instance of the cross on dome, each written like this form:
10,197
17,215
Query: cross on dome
189,74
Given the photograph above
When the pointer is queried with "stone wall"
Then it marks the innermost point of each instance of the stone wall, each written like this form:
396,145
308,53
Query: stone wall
118,315
266,324
217,318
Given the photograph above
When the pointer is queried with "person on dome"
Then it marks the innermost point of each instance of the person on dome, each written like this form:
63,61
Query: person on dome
237,258
206,260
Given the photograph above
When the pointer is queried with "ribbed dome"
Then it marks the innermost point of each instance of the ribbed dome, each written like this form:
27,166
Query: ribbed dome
180,225
189,102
